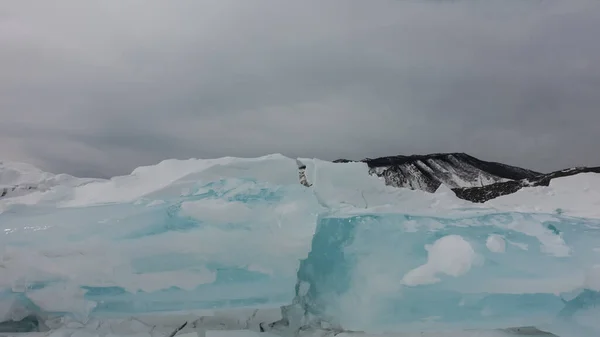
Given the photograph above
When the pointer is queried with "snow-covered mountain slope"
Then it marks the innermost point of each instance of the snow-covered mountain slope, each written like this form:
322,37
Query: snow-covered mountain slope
455,170
489,192
19,179
470,178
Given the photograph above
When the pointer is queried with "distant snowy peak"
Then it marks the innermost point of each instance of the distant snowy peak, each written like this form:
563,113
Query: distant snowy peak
17,179
16,173
455,170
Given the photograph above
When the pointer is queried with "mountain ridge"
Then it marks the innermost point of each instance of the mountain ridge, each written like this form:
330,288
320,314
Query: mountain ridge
456,170
468,177
489,192
18,179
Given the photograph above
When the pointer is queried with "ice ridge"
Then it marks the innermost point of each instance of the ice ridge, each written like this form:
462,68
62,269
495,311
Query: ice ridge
228,234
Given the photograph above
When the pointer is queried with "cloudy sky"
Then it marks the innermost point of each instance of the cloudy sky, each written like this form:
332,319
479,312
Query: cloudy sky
97,88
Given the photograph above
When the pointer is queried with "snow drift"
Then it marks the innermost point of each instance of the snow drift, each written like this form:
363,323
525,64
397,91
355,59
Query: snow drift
348,252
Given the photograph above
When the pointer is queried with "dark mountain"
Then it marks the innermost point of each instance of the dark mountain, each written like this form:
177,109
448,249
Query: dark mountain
456,170
470,178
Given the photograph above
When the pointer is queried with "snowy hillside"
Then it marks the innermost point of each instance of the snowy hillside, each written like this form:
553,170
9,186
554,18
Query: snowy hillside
492,191
218,244
18,179
470,178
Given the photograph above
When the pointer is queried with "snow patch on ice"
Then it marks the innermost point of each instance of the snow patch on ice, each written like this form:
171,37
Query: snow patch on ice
451,255
592,278
155,203
577,195
62,298
496,244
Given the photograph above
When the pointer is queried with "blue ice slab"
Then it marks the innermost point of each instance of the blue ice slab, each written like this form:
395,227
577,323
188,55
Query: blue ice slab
228,243
356,272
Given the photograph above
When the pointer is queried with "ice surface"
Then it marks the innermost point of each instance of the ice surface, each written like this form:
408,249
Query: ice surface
349,189
189,236
406,273
228,234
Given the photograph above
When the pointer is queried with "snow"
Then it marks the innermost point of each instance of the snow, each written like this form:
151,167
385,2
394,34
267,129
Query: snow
577,195
496,244
146,180
24,184
186,236
15,173
451,255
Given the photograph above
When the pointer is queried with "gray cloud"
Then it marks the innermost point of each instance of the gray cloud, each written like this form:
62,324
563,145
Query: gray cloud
100,88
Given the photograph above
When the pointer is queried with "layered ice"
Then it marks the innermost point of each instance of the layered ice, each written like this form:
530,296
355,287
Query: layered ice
413,273
345,253
210,235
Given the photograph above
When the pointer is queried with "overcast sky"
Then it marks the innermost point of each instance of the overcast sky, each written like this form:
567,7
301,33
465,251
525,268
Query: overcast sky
97,88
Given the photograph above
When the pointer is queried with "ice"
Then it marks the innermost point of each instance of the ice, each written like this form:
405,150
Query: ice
368,273
235,334
348,188
226,234
223,243
158,179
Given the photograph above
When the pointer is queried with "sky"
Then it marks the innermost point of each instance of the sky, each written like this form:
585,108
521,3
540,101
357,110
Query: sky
97,88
